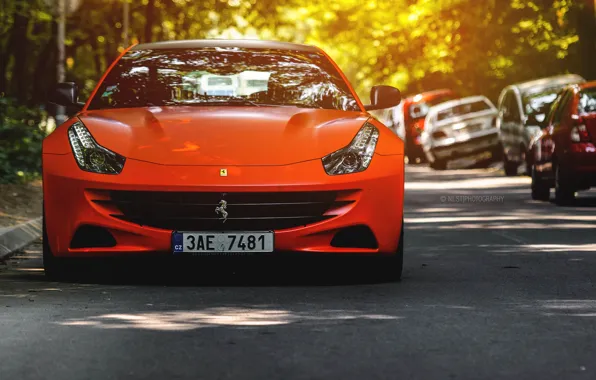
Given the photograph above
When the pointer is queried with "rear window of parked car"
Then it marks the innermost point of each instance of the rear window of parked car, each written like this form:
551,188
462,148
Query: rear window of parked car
420,110
463,109
220,81
587,101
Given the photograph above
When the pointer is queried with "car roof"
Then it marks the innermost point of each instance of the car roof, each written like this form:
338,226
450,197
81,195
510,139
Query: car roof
586,85
452,103
537,85
429,95
222,43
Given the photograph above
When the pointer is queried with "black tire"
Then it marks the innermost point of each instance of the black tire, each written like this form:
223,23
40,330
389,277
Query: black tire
415,159
540,190
528,165
55,268
526,161
438,164
510,167
564,192
498,153
390,268
415,153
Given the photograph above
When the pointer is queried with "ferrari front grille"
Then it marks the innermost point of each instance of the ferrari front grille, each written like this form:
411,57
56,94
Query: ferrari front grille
213,211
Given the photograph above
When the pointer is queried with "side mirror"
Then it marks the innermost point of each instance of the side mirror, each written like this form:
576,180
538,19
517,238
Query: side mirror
66,94
382,97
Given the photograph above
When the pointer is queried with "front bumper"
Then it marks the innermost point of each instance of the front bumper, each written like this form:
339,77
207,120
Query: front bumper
69,194
452,149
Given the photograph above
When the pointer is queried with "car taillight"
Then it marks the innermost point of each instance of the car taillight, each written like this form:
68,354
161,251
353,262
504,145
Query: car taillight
419,126
579,134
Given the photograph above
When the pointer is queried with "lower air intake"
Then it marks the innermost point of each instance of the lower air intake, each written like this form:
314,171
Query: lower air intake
355,237
244,211
92,237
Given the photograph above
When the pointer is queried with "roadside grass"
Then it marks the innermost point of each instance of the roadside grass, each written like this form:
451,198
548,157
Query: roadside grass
20,202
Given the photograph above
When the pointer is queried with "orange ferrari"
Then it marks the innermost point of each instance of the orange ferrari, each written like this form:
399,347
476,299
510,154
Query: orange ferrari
220,147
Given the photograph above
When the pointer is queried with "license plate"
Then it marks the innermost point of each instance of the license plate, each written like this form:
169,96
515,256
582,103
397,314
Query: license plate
222,242
474,128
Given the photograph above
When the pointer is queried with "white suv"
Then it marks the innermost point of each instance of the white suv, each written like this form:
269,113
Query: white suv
522,112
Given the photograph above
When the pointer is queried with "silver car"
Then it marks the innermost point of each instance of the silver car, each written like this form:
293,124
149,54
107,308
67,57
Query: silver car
393,118
522,110
460,130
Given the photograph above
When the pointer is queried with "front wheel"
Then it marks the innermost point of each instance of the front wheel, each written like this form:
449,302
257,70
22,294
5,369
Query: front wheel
564,192
438,164
528,164
540,190
54,267
390,268
510,167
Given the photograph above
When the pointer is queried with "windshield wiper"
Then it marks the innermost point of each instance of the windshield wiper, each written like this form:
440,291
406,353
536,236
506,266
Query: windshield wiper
299,105
242,101
225,102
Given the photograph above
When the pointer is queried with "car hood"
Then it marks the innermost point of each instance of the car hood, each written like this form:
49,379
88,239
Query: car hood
223,135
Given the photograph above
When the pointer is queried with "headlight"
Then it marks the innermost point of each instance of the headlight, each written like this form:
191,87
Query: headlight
91,156
356,156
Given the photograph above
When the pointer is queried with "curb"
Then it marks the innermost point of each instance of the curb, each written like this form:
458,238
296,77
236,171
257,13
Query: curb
17,237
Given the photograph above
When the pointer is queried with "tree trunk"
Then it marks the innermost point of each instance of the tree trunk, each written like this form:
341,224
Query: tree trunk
19,45
96,55
587,42
149,20
41,75
4,70
19,28
110,53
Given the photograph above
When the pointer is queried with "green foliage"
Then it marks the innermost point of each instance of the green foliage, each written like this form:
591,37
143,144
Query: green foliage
21,137
474,47
471,46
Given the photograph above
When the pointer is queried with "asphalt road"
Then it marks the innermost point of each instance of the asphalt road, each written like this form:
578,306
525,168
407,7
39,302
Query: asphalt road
495,286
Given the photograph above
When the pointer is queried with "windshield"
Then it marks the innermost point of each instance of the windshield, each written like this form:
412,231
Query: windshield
216,76
463,109
220,81
538,103
587,101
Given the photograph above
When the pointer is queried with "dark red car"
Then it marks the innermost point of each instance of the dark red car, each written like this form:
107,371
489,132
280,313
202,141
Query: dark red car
564,155
410,115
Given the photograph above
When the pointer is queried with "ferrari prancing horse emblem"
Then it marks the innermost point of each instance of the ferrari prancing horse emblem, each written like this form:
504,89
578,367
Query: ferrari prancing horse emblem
223,172
221,210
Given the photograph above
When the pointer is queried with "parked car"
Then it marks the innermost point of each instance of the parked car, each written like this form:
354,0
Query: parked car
392,118
564,155
219,85
522,112
407,119
460,129
250,82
